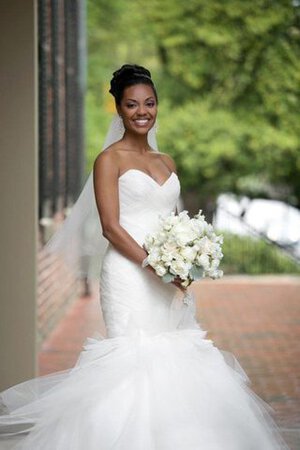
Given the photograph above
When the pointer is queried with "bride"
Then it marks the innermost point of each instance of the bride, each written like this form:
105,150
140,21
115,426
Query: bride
155,382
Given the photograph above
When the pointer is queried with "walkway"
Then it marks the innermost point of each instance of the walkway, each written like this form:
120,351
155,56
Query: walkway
256,318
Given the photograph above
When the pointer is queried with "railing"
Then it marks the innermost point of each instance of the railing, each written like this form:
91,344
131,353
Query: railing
252,251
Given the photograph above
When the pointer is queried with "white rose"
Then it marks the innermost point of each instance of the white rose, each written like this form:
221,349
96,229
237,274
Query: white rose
154,256
184,216
205,245
189,253
217,254
184,234
198,226
209,229
215,274
161,236
215,264
218,239
203,260
160,270
170,221
149,241
169,251
170,246
179,267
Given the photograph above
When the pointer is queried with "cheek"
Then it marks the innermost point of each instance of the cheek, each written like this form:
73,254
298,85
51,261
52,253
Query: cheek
127,114
154,112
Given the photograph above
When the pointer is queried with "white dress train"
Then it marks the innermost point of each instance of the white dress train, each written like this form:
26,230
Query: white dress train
155,382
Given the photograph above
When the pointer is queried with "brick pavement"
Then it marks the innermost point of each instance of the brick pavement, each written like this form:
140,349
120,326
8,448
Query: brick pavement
256,318
61,349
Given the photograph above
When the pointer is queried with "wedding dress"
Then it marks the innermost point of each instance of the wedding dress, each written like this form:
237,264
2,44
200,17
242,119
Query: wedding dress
155,382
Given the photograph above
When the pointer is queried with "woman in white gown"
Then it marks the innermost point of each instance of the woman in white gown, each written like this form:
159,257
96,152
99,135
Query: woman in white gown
155,382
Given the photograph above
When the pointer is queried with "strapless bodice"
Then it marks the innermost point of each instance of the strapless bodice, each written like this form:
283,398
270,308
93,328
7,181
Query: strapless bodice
132,298
142,200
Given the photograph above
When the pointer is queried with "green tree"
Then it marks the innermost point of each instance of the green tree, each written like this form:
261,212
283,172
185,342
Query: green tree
228,74
242,57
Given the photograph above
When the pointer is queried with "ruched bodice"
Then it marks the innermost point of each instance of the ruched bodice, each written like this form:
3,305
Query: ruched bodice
142,200
132,298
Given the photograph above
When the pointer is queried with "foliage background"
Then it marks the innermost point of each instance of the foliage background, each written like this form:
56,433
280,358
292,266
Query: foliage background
228,78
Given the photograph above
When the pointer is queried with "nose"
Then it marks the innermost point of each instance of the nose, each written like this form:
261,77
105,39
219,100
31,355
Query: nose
141,110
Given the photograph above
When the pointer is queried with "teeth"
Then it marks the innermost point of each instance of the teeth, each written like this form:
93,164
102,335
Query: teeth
141,121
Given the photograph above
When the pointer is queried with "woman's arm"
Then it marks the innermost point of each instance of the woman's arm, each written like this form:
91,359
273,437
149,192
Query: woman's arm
105,175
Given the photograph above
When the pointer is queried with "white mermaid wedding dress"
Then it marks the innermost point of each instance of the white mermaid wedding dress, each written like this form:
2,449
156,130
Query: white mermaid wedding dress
155,382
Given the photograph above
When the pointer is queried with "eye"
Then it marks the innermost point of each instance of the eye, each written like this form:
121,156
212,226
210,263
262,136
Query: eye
130,105
150,104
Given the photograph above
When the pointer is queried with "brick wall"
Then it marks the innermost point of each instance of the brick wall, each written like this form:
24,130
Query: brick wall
61,147
56,290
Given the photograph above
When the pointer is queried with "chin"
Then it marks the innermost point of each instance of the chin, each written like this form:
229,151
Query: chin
140,131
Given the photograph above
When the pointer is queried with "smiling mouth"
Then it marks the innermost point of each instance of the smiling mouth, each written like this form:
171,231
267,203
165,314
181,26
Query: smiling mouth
141,122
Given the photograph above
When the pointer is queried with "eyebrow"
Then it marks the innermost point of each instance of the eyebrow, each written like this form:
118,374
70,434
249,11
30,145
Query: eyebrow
132,100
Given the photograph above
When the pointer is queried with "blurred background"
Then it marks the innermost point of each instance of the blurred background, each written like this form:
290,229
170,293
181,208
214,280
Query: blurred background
228,80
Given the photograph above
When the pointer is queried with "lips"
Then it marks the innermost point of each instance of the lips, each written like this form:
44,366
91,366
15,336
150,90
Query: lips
141,122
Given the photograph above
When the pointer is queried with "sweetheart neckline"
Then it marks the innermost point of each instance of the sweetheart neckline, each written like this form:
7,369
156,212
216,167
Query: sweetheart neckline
149,176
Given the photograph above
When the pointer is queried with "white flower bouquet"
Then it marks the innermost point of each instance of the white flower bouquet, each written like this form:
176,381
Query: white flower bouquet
184,247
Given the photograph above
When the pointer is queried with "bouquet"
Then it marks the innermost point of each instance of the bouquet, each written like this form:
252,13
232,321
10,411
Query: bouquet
184,247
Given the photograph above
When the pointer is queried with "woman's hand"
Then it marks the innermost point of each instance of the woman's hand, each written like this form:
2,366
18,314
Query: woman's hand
177,282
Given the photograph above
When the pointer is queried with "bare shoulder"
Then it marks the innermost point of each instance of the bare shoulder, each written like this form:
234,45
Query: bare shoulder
107,159
169,161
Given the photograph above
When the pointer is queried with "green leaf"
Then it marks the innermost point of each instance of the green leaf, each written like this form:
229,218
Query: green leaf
196,272
168,277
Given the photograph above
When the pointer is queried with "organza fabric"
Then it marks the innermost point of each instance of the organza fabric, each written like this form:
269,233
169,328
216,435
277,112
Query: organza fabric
155,382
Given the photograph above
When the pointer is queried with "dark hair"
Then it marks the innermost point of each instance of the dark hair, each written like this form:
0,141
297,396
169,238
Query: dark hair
129,75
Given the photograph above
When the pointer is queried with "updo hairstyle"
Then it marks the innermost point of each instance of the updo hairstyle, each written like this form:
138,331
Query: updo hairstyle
129,75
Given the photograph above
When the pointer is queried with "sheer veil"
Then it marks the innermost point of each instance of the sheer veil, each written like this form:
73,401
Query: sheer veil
79,240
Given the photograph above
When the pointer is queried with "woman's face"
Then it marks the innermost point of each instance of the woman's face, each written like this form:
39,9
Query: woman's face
138,108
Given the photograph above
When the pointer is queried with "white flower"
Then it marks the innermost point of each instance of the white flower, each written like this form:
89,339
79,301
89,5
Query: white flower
181,243
205,245
160,270
149,241
184,216
170,221
179,267
214,264
169,251
154,256
162,235
198,226
184,233
203,260
219,238
189,253
217,253
215,274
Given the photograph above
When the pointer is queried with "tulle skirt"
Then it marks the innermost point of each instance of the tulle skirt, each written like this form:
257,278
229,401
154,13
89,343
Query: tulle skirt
173,390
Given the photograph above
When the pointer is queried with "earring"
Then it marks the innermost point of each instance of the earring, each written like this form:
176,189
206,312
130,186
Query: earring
155,127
